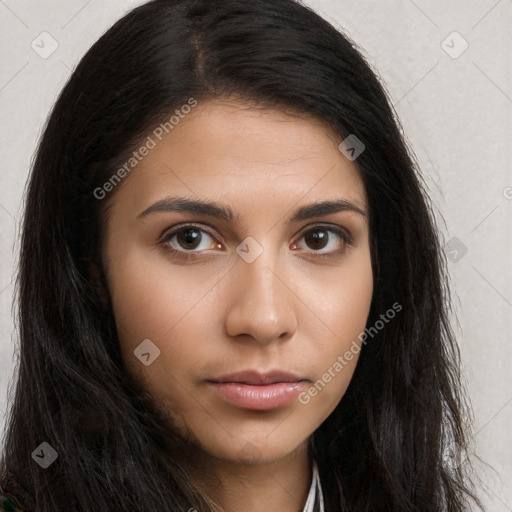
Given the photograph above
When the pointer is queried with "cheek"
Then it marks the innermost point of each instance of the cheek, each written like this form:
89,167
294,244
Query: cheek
150,298
339,300
341,308
157,301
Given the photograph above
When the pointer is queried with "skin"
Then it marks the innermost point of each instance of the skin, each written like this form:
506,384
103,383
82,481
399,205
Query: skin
290,308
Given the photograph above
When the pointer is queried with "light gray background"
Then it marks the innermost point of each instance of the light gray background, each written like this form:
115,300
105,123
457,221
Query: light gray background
457,114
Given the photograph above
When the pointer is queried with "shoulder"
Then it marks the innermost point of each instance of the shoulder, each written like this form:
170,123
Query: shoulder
8,503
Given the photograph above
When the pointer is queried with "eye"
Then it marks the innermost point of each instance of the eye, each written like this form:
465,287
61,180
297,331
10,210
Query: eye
186,240
321,237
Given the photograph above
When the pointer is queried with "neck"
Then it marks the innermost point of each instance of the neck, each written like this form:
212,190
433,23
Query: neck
259,487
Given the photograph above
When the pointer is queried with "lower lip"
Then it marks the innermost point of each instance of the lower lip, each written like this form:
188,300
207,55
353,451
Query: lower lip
258,398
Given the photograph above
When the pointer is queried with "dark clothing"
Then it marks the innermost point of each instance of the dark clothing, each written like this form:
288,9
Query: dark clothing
8,503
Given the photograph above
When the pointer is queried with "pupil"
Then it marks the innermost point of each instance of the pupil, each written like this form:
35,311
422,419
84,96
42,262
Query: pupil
190,235
314,237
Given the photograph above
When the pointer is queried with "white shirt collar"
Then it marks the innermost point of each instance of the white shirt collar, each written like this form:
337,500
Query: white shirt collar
315,488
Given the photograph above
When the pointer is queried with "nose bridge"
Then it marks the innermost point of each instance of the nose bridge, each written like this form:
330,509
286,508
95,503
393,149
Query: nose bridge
262,305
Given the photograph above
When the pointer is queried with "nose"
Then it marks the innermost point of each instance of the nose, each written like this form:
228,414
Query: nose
261,306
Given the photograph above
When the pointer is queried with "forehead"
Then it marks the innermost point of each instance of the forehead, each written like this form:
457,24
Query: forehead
231,151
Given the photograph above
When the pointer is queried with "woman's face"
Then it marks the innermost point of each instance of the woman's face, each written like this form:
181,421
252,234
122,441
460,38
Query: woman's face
237,322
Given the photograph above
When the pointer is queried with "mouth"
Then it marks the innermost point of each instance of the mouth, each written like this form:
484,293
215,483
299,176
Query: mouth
259,391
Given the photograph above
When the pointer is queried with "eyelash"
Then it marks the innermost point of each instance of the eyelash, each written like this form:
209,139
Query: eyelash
194,255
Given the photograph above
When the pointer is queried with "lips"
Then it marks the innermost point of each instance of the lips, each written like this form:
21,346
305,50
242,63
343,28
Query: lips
257,391
259,379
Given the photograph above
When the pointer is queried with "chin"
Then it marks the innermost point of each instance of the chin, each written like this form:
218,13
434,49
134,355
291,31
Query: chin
253,450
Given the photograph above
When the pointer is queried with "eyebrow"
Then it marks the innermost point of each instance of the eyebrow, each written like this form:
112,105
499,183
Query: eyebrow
183,204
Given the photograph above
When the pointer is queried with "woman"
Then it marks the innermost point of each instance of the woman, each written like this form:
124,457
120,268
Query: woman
299,357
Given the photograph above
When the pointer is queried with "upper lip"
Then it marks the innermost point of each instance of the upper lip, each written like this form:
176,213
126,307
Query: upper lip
256,377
